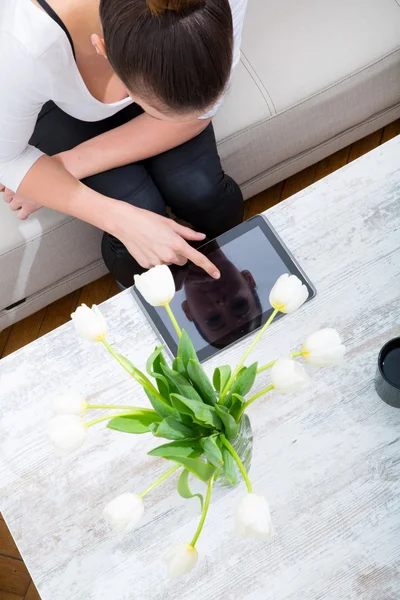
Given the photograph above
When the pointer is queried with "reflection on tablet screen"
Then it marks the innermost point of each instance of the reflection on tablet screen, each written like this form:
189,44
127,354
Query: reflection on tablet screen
218,307
218,312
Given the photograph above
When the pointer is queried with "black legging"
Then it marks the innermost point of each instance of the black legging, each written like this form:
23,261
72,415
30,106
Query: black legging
189,179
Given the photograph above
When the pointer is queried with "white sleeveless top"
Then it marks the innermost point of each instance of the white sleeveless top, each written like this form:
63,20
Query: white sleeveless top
37,65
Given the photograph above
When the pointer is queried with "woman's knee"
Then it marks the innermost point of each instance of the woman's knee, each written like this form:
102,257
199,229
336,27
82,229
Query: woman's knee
115,255
213,203
118,260
132,184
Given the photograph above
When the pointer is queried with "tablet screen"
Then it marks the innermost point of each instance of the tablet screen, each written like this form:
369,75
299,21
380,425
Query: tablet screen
217,313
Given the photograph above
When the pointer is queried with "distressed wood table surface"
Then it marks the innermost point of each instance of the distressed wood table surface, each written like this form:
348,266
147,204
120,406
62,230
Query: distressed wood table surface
327,459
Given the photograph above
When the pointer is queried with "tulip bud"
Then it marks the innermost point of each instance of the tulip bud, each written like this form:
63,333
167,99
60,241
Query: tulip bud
288,293
69,404
90,323
288,376
253,517
324,348
67,433
180,560
124,512
157,286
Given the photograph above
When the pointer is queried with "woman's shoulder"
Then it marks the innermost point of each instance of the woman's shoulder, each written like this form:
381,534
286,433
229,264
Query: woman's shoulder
238,8
30,30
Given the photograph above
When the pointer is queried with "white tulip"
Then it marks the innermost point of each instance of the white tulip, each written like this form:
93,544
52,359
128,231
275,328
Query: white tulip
180,560
324,348
124,512
253,518
288,376
67,433
157,285
69,404
90,323
288,293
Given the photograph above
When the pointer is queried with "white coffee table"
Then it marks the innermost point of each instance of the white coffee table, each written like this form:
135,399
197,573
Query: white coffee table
328,459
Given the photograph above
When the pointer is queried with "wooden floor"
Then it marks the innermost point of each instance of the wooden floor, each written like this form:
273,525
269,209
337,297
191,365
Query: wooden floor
15,582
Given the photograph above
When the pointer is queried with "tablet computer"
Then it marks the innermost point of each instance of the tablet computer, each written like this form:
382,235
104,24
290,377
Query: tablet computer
219,313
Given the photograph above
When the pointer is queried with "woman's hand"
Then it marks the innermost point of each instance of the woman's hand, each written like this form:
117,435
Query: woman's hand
153,240
17,203
150,238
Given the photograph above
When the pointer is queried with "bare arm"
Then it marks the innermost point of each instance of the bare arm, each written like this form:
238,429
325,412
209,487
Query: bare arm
44,181
150,238
51,185
136,140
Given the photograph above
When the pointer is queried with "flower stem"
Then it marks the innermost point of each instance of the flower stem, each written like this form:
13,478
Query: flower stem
204,513
107,418
239,463
267,366
173,320
247,404
116,406
271,364
160,480
131,369
247,354
116,356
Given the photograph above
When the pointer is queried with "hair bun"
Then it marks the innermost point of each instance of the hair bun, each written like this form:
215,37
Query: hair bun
157,7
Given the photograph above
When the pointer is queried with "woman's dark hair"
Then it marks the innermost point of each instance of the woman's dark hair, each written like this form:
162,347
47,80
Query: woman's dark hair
175,54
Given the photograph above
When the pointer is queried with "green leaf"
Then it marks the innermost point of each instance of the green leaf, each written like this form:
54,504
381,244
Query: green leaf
243,384
186,349
196,466
158,361
230,425
179,367
212,450
188,420
184,489
221,377
138,422
188,448
133,371
182,386
152,358
162,385
201,382
239,373
153,368
235,405
161,406
200,412
172,429
230,470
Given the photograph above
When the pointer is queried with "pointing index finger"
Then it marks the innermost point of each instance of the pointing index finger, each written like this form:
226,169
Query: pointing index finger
202,261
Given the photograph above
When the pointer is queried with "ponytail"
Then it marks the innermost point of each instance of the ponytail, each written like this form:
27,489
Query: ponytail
157,7
175,55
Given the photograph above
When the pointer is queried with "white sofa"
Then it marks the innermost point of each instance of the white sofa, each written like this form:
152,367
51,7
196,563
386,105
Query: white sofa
314,76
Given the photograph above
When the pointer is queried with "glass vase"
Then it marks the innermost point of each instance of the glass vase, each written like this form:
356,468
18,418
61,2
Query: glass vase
243,444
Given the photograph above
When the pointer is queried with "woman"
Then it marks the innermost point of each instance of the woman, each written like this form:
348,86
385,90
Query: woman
105,115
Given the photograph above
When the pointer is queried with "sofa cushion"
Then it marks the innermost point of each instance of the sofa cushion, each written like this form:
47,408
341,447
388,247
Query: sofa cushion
44,249
245,104
298,49
321,67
